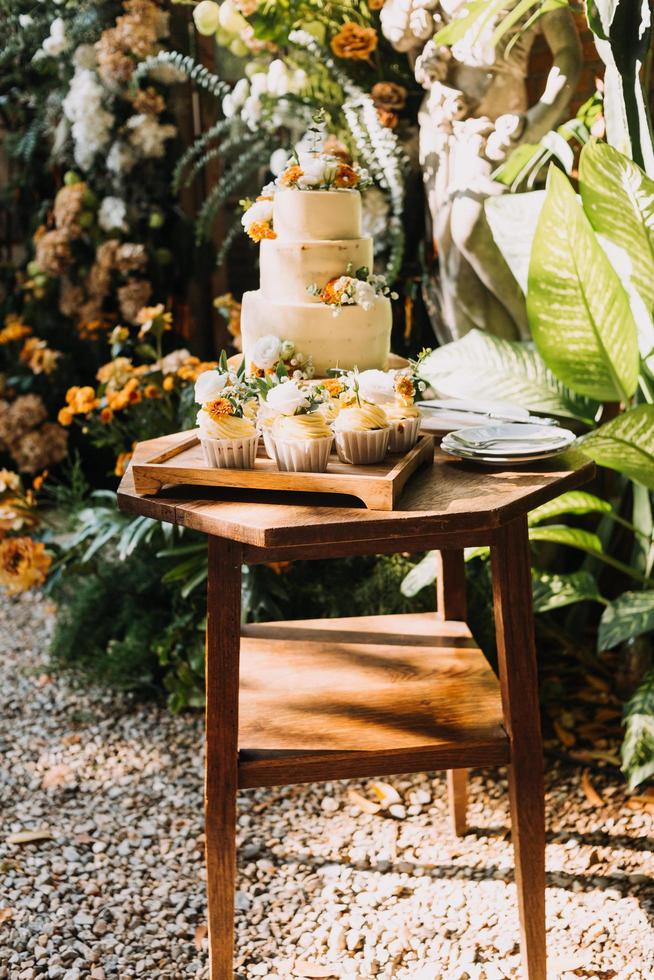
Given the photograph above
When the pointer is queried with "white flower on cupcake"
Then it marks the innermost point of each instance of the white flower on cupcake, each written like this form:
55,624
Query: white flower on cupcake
376,386
267,352
210,385
287,398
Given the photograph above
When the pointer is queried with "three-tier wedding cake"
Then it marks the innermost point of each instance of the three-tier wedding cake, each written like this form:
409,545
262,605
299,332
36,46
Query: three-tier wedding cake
317,289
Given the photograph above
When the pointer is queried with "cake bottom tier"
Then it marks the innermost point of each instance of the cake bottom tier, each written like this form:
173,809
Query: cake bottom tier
351,338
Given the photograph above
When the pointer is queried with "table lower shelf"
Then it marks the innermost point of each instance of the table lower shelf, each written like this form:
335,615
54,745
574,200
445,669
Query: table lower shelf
365,696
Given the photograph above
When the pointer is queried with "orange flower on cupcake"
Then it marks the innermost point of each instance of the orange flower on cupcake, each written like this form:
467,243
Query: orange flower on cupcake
218,408
354,42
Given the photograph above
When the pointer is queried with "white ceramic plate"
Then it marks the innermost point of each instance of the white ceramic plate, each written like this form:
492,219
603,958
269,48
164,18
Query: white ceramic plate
501,461
510,439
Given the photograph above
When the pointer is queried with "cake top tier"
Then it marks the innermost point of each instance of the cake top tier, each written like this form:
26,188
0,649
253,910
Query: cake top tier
315,198
313,216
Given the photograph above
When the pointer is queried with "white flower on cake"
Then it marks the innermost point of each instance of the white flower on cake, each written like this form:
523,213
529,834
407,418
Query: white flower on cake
377,387
272,356
287,398
257,219
313,171
267,352
361,289
210,385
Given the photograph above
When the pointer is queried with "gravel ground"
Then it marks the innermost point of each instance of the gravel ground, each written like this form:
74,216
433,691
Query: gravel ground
114,888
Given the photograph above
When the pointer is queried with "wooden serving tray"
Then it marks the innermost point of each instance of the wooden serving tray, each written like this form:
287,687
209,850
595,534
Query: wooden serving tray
378,485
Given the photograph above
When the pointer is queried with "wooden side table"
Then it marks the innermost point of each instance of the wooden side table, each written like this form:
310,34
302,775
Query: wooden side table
315,700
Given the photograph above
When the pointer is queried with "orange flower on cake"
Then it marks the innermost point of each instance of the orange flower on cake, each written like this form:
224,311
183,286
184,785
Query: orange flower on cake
257,220
24,564
354,42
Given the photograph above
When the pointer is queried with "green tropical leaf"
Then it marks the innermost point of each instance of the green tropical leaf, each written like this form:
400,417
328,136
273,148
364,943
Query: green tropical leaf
574,537
513,219
572,502
578,309
626,444
556,591
638,745
482,366
618,198
631,614
422,574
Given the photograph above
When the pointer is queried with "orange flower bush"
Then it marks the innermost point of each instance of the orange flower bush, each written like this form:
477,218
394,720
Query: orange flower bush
14,329
38,357
24,564
354,42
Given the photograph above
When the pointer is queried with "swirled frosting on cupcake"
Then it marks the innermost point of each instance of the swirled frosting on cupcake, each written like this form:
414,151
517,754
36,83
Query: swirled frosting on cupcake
360,418
225,427
398,410
295,428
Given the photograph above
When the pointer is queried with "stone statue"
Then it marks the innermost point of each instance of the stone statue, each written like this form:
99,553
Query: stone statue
474,113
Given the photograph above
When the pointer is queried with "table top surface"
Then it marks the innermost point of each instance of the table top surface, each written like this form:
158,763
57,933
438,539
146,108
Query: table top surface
448,496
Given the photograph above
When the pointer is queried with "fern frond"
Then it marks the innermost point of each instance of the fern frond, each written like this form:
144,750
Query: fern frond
234,144
237,176
195,72
230,237
196,148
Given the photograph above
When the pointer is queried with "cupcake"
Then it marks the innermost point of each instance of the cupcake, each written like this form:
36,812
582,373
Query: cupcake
229,439
362,433
394,391
301,439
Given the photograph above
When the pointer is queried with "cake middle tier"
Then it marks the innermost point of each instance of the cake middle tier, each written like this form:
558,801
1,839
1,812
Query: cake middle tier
287,268
352,337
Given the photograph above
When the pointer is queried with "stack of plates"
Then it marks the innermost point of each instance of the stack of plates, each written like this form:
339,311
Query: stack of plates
506,444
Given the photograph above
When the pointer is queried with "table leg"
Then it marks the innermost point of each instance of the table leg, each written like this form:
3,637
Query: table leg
514,624
221,746
451,604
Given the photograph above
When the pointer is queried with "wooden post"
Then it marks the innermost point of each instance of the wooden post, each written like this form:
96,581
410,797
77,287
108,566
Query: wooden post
221,746
451,604
516,648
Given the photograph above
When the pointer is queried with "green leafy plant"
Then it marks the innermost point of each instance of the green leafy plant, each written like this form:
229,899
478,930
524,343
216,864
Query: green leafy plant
590,300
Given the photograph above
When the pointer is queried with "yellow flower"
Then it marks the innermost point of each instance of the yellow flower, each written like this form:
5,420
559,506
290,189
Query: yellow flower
354,42
14,515
150,317
122,462
129,395
259,230
151,391
9,480
38,357
65,416
218,408
115,374
168,382
39,480
24,564
404,387
291,176
14,329
106,415
81,401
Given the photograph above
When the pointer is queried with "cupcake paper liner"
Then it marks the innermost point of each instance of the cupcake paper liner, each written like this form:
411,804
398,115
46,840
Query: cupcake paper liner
361,448
404,434
268,444
302,456
230,454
